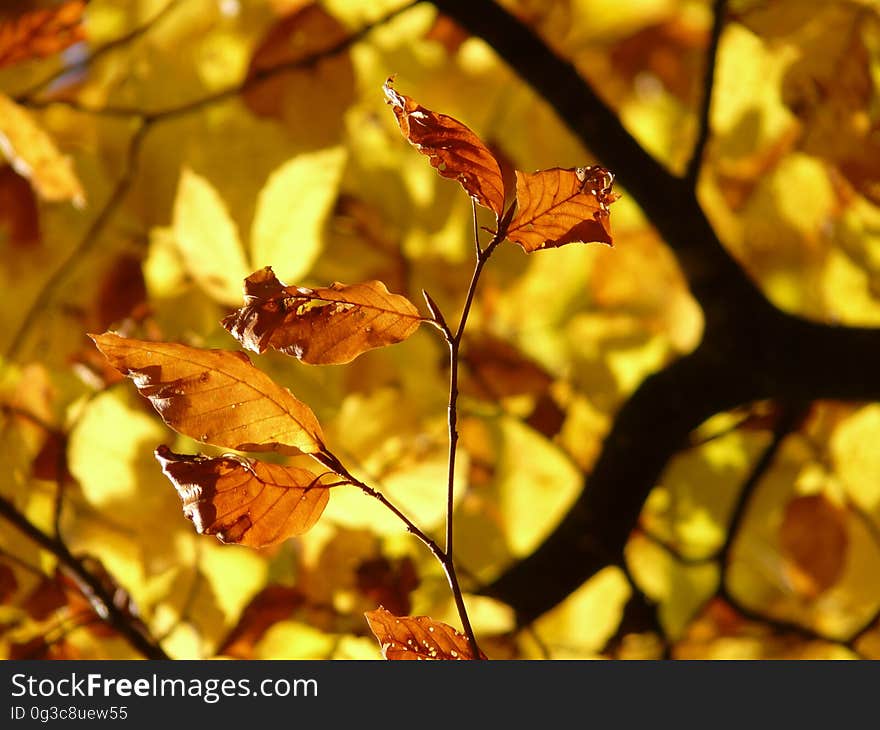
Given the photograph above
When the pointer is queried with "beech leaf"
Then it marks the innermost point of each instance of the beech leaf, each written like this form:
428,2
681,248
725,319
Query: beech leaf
324,326
417,637
245,501
452,148
40,33
559,206
215,396
33,154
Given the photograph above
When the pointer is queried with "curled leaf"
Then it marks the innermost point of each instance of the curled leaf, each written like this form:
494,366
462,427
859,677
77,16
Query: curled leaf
324,326
40,33
452,148
245,501
215,396
417,637
33,154
559,206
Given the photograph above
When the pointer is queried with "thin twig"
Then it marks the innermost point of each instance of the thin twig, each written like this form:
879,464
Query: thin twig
454,343
91,587
719,10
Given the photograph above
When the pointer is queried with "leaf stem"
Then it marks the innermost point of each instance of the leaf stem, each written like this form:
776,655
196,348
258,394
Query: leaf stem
454,343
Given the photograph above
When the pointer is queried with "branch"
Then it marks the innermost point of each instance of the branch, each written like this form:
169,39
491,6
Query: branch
750,350
102,602
719,10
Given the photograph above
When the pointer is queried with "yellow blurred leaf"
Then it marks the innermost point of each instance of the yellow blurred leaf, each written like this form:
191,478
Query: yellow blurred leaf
292,209
537,484
34,155
208,239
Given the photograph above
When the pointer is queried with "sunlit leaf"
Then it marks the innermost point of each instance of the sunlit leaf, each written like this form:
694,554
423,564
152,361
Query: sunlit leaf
245,501
34,155
557,206
329,325
452,148
215,396
417,637
292,209
813,538
207,238
40,33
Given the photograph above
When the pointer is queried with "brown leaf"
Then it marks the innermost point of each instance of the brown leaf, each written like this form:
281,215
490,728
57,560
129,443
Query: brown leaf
48,596
245,501
497,369
452,148
19,217
215,396
388,583
40,648
813,539
558,206
296,60
324,326
8,583
41,33
417,637
272,604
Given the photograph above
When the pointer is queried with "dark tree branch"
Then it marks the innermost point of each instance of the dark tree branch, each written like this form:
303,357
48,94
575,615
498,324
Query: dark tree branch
719,10
750,349
91,587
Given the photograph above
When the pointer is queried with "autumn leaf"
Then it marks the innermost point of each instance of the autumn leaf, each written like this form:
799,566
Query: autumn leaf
452,148
813,539
272,604
245,501
388,583
19,214
296,60
324,326
33,154
8,583
558,206
41,33
215,396
417,637
497,369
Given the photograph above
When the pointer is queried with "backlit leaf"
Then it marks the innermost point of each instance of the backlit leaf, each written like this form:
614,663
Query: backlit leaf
417,637
813,539
41,33
292,210
215,396
245,501
33,154
452,148
558,206
207,238
329,325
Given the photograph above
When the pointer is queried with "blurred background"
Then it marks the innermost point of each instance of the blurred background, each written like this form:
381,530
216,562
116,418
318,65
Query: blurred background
155,152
